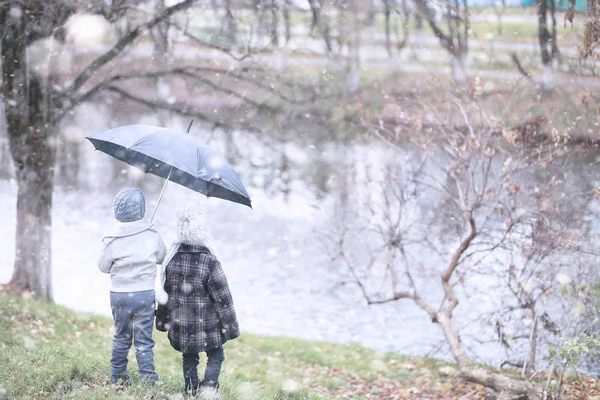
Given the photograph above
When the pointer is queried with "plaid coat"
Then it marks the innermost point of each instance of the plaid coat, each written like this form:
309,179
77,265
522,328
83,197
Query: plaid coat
200,307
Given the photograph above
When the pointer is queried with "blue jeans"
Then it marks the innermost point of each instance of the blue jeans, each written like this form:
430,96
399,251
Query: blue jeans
211,373
133,314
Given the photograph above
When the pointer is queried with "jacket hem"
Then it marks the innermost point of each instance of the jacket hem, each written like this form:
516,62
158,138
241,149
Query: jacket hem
135,287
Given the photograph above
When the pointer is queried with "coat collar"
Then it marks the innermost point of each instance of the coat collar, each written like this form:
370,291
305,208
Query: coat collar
189,248
122,229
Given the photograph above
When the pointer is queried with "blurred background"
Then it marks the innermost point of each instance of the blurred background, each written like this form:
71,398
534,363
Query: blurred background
313,103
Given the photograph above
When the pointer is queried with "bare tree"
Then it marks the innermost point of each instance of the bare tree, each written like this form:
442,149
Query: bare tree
404,16
36,103
287,6
455,39
230,24
320,24
342,34
5,161
548,42
160,37
467,189
591,32
590,39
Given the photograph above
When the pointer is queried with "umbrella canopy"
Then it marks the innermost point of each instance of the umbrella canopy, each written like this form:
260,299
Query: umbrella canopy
175,156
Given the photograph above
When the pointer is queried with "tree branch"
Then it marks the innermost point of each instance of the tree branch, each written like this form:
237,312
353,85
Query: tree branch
447,274
425,11
165,106
229,92
520,67
102,60
201,42
189,72
501,383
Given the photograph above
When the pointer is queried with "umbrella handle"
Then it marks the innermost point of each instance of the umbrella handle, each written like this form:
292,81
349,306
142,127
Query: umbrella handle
168,176
161,195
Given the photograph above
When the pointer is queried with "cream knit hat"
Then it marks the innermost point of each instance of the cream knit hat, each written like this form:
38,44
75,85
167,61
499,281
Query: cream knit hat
192,227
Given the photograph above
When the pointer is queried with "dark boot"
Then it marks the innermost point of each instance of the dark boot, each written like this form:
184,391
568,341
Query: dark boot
208,390
114,380
190,373
191,386
209,385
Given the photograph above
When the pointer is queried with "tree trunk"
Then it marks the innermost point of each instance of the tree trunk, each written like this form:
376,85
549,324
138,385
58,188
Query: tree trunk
353,60
30,106
387,12
405,27
68,162
280,56
498,382
418,24
548,81
274,23
456,41
230,25
459,68
459,41
452,339
353,75
5,163
34,157
530,367
160,36
592,8
501,383
287,21
545,40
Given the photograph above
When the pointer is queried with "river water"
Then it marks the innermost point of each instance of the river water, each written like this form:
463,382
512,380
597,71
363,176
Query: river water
282,277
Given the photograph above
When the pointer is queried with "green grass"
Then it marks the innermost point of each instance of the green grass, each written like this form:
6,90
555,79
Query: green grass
50,352
501,32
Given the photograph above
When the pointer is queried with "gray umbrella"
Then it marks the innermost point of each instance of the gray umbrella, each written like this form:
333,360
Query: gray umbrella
174,156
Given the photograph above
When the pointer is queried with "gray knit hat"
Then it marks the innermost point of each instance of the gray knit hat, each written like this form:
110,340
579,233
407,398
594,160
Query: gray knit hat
129,205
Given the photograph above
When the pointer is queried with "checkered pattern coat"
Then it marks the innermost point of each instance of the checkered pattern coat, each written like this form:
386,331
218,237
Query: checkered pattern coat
201,313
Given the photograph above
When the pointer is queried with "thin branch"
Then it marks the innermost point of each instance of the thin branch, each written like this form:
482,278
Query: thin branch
201,42
520,67
462,111
230,92
166,106
102,60
189,72
426,11
447,274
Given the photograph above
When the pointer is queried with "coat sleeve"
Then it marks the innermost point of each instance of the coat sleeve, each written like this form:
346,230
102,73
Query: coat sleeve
218,289
159,285
106,259
161,251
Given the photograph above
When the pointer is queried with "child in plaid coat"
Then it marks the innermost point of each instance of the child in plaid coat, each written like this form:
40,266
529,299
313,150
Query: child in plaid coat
201,315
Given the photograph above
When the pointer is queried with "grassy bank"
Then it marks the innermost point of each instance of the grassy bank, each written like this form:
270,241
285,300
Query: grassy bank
50,352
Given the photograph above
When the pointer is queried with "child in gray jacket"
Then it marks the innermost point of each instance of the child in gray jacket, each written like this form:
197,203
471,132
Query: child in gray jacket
131,252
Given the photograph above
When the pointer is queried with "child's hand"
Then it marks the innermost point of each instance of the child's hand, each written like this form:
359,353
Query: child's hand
161,297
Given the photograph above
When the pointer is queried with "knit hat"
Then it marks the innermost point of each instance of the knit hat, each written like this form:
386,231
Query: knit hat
192,227
129,205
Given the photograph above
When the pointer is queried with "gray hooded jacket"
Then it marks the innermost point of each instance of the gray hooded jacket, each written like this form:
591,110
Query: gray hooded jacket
130,255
